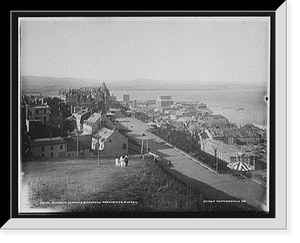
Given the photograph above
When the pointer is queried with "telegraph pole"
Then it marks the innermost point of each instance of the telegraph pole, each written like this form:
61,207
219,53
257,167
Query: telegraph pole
98,137
77,145
147,146
98,153
216,161
142,147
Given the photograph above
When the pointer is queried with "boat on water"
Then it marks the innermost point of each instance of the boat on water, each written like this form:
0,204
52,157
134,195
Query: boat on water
240,109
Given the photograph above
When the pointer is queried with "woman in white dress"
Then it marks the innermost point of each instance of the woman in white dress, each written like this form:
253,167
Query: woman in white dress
117,161
122,161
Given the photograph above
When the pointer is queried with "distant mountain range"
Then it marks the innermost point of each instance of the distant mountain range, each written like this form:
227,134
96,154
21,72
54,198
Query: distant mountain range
51,84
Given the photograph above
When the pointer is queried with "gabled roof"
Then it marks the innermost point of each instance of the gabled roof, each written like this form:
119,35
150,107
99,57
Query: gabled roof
82,115
104,134
230,150
81,112
93,119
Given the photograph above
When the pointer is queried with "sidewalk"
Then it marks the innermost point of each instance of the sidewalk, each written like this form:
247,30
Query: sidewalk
201,178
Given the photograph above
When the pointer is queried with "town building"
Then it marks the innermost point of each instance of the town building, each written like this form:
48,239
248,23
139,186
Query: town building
114,143
95,122
80,116
96,99
126,98
134,104
226,153
38,112
78,145
201,106
164,101
151,103
117,112
36,129
48,147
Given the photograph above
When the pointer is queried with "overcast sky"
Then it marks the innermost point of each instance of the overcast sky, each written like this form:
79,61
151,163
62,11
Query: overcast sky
189,49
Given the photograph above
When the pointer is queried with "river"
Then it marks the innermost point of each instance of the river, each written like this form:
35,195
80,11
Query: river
239,106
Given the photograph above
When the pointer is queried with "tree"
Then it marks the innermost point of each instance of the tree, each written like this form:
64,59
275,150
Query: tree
58,107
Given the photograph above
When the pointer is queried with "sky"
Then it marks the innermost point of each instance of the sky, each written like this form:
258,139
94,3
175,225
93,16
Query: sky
231,50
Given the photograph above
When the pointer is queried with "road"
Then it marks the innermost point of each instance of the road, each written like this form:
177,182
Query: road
203,179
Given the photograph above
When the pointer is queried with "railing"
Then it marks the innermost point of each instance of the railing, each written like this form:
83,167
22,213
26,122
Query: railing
136,148
183,153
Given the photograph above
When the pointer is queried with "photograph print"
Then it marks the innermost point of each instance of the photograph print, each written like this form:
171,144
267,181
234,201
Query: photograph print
146,116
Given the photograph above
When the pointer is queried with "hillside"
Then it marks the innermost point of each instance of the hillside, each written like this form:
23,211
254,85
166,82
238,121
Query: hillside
54,84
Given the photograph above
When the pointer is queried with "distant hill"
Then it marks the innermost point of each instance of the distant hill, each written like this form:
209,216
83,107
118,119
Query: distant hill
54,84
32,82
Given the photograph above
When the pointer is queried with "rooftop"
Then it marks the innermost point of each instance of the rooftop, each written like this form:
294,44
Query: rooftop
104,133
39,106
47,141
93,118
165,97
224,148
114,109
81,112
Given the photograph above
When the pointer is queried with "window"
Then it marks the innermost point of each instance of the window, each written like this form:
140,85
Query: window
30,113
45,120
51,147
43,149
43,155
110,140
51,154
36,111
61,146
45,111
124,145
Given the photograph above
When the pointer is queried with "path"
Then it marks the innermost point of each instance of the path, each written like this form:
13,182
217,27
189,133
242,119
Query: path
199,176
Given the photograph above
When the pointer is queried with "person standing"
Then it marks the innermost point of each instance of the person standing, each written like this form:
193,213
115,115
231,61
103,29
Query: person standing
126,160
117,161
122,161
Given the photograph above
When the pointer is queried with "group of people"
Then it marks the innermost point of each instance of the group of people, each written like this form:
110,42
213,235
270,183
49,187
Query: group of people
122,161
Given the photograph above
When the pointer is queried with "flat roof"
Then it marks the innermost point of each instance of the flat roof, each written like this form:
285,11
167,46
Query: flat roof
47,141
39,106
224,148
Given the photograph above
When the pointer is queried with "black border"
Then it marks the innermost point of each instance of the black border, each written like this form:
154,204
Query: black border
14,115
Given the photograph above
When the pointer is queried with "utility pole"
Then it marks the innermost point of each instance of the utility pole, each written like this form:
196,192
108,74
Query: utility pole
98,138
216,161
98,148
147,146
77,145
142,147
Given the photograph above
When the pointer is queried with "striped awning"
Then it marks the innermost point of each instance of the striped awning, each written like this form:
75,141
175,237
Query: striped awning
240,166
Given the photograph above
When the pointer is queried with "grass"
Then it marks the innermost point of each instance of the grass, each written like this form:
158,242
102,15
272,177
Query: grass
83,186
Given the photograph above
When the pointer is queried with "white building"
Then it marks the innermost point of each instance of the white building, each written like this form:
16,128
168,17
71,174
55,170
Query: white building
227,153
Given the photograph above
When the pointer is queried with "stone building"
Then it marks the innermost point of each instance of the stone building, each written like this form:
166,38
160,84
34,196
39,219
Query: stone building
226,153
38,112
48,147
164,101
96,99
114,143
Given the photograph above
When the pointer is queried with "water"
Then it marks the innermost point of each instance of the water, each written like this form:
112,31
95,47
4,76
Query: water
239,106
